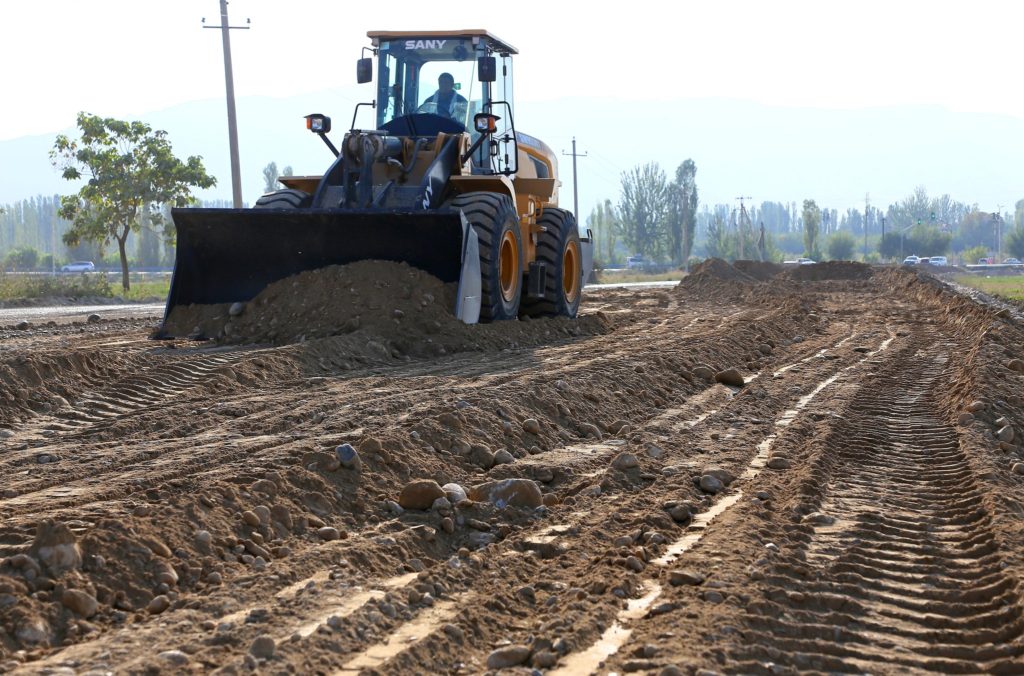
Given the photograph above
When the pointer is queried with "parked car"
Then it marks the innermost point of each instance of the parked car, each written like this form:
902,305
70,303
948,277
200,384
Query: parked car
986,261
938,260
1012,261
79,266
800,261
635,262
924,260
911,260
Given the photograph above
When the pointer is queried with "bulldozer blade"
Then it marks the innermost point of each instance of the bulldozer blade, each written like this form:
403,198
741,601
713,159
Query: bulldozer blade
230,255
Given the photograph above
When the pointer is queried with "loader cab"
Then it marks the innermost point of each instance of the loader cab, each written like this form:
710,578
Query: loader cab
410,83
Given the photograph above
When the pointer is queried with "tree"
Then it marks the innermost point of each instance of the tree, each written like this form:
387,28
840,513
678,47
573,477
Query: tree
22,258
971,256
1015,242
686,179
603,222
812,221
128,167
270,175
841,245
642,209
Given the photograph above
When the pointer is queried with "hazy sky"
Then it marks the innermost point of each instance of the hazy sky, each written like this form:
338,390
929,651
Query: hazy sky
126,58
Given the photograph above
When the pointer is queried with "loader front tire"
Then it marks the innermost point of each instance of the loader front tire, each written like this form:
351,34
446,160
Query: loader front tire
559,249
494,218
289,198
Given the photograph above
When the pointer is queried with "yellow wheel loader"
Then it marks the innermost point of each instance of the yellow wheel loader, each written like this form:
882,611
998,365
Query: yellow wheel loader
443,182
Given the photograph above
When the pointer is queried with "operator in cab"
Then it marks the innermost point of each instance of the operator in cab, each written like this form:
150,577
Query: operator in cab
446,101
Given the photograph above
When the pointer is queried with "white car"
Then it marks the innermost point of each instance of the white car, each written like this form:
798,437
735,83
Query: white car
79,266
911,260
635,262
938,260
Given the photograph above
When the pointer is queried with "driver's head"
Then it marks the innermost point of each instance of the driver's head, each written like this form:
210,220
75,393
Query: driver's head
445,83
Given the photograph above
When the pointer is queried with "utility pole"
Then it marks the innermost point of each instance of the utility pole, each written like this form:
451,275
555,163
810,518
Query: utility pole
882,243
575,185
236,178
867,210
739,226
999,233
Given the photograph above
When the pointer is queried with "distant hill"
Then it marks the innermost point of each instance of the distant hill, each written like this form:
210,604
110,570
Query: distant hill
770,153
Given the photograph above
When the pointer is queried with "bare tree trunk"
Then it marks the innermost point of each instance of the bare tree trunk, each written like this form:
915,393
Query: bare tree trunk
124,261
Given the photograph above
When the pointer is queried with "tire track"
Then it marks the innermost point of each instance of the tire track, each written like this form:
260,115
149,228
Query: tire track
900,569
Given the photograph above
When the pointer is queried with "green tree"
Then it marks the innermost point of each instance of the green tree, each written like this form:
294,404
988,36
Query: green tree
23,258
642,209
686,181
127,166
270,175
841,245
971,256
1015,242
604,223
812,223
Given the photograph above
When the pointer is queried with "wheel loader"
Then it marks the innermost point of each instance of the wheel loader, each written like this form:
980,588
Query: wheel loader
443,181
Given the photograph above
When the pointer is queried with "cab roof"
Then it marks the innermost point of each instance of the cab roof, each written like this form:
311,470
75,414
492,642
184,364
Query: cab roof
495,43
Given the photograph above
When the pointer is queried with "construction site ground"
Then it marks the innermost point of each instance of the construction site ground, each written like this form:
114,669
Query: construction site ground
755,471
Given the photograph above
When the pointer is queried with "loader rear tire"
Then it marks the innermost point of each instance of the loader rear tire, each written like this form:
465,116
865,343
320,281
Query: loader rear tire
496,222
289,198
559,249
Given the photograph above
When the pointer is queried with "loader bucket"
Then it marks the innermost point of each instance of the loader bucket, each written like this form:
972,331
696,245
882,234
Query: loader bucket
229,255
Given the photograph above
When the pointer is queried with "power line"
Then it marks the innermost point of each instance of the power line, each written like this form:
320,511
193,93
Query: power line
575,183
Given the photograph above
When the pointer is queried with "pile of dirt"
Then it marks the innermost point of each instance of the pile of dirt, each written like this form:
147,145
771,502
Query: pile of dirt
762,271
820,272
715,278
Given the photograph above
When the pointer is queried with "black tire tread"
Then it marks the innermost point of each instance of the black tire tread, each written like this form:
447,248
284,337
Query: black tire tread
559,223
289,198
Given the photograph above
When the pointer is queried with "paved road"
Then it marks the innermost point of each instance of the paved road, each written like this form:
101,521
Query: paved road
63,314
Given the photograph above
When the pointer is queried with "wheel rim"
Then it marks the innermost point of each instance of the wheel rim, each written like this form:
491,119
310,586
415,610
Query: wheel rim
571,271
508,266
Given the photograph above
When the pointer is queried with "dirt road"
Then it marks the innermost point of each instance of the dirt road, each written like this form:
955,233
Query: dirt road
576,497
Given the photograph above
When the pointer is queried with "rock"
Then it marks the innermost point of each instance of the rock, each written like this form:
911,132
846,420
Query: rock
765,349
420,494
550,500
634,564
725,476
679,578
508,492
481,456
1005,433
251,518
441,504
680,513
704,372
214,578
262,512
654,451
280,514
263,647
976,406
532,426
455,493
203,538
1008,447
1018,468
798,339
265,487
544,475
328,533
503,457
47,458
93,319
730,377
175,657
158,605
55,547
1016,365
508,656
236,309
448,525
616,426
348,457
965,419
712,596
22,326
818,519
544,659
625,461
778,462
79,602
590,430
710,484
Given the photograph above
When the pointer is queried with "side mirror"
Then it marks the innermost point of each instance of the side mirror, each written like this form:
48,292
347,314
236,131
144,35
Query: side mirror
485,123
364,70
487,67
318,124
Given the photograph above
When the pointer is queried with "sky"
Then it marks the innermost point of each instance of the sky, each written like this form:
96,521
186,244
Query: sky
127,58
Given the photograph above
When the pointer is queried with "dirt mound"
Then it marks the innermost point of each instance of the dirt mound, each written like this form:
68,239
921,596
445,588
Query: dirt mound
820,272
715,278
762,271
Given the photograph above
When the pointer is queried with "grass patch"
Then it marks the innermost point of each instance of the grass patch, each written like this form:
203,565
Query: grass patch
627,276
1005,286
92,285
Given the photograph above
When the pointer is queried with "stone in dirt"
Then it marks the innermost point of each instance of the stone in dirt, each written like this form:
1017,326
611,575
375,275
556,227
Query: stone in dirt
329,533
685,577
455,493
710,484
509,656
348,457
263,647
625,461
704,372
55,547
976,406
79,602
1005,433
680,513
779,462
531,425
730,377
158,605
590,430
1016,365
508,493
420,494
965,419
723,475
503,457
1018,468
175,657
